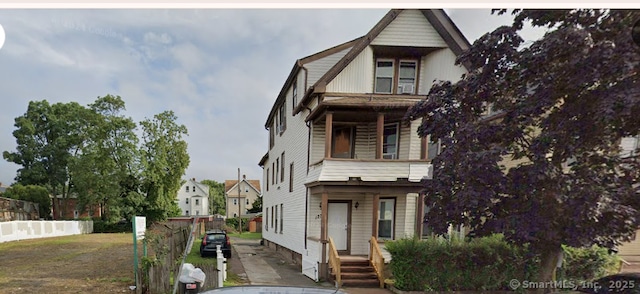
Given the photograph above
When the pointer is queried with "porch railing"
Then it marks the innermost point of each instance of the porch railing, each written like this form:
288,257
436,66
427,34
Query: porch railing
334,262
376,259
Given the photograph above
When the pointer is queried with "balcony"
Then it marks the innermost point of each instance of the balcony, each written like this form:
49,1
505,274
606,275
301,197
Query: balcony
376,170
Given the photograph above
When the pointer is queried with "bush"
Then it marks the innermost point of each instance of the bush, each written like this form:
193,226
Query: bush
585,264
233,224
439,264
101,226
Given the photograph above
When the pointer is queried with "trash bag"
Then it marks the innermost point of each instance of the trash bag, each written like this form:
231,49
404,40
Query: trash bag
185,274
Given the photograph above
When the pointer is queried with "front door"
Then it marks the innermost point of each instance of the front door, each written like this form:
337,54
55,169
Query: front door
338,225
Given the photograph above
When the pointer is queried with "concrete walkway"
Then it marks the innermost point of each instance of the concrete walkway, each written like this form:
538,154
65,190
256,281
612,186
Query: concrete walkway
264,266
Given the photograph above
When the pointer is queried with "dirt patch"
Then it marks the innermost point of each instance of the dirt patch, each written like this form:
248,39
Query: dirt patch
94,263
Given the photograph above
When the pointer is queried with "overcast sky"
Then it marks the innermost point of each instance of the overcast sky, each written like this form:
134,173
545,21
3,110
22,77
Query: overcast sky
219,70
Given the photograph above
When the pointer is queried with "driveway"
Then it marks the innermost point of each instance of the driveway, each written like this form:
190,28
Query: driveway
264,266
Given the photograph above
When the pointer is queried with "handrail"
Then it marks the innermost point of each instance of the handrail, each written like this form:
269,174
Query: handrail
376,259
334,262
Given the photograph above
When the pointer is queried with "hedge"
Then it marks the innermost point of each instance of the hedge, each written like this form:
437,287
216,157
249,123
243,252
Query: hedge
486,264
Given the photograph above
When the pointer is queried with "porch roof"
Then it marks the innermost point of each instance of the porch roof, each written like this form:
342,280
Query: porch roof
371,102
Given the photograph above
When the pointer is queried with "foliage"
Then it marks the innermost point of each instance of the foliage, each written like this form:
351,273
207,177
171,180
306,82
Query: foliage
164,161
232,224
106,226
439,264
93,153
256,206
216,197
587,264
564,103
31,193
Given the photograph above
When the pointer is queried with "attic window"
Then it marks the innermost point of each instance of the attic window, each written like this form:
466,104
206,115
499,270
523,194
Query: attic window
396,76
294,94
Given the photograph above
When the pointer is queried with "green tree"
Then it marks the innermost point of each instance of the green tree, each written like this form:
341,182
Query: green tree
217,203
108,158
164,159
565,102
47,138
31,193
256,206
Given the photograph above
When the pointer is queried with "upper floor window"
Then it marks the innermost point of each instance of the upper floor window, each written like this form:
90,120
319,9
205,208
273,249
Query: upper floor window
281,123
294,94
194,188
235,201
396,76
187,188
267,179
197,202
433,148
187,200
282,169
390,141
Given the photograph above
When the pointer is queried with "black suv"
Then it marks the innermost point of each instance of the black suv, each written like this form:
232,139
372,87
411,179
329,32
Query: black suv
213,238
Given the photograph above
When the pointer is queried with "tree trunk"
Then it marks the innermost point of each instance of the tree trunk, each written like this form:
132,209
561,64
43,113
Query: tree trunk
549,257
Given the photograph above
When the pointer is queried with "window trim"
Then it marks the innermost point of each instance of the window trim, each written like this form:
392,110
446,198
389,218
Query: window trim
429,144
277,168
294,94
281,217
276,217
291,177
267,179
282,169
396,155
395,78
393,217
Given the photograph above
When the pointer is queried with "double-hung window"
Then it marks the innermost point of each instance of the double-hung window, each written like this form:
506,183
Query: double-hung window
396,76
390,141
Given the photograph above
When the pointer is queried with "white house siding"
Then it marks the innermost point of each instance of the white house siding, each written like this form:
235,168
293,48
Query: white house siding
414,140
317,68
410,28
317,147
404,144
293,142
365,141
357,77
201,194
438,66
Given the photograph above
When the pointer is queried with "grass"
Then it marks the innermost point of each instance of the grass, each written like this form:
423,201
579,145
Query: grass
246,235
194,256
233,280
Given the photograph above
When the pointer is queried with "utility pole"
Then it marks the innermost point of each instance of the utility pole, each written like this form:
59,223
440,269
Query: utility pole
239,204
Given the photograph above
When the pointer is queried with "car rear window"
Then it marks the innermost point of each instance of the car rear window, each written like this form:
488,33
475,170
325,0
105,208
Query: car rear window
216,237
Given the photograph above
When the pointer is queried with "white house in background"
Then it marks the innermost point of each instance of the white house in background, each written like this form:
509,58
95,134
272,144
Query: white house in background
341,163
193,198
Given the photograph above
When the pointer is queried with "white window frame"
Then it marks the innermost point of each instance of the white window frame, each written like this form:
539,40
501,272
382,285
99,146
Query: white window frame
197,202
431,156
400,87
393,66
392,217
393,155
235,201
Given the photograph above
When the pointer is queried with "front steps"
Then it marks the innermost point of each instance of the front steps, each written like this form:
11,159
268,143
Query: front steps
357,272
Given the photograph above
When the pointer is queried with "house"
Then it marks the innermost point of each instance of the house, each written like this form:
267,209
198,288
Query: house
193,198
343,172
239,204
67,208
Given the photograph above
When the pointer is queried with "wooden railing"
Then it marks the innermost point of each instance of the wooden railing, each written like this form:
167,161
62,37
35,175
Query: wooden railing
334,262
376,259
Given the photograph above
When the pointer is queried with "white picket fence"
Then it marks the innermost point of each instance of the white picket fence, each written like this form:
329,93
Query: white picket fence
22,230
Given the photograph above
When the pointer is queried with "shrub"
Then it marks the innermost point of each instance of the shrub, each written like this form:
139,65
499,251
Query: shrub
584,264
101,226
439,264
233,224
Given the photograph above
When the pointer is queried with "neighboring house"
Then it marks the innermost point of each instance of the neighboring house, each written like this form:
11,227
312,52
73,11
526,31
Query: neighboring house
341,163
193,198
249,192
3,188
67,208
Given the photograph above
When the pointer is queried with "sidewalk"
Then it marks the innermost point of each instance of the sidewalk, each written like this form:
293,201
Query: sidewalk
264,266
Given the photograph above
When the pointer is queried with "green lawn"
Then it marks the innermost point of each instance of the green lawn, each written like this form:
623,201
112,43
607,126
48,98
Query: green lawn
194,256
247,235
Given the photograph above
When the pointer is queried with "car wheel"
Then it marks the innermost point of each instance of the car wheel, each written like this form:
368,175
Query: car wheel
228,255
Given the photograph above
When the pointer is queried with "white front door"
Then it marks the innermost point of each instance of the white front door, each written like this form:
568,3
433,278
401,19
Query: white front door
338,224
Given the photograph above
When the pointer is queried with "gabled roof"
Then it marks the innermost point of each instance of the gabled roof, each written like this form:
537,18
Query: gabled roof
230,184
202,187
438,19
299,64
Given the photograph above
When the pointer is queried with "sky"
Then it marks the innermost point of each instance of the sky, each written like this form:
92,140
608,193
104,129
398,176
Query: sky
219,70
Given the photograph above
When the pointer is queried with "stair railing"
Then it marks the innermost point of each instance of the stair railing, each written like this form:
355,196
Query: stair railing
376,259
334,262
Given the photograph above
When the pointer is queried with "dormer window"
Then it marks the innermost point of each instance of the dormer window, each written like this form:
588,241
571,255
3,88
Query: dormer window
396,76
